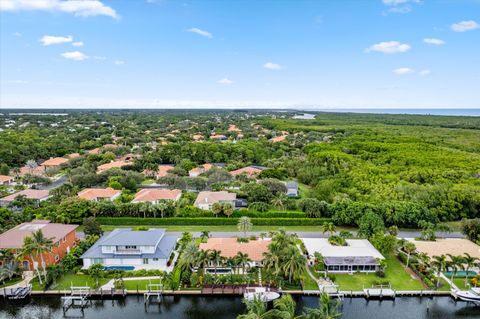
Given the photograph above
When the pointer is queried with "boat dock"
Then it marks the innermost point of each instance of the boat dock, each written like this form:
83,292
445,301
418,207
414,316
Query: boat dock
154,294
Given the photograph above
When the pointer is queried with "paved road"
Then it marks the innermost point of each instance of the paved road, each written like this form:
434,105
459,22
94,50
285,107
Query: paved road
57,183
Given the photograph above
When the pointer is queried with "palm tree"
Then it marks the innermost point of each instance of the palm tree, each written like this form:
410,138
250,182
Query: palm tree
284,307
439,262
456,264
329,228
216,209
227,209
271,262
242,260
202,259
294,265
6,255
327,309
244,225
469,262
263,235
41,245
189,255
28,250
280,201
216,257
409,248
256,309
205,235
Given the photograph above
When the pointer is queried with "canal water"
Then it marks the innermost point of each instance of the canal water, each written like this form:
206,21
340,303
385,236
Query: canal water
216,307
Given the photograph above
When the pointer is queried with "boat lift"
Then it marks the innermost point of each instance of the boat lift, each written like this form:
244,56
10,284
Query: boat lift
78,298
154,294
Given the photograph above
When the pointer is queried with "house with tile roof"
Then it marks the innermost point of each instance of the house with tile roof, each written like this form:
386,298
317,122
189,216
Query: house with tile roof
38,195
155,195
206,199
7,180
63,237
98,194
113,164
230,247
54,162
127,249
161,171
249,171
195,172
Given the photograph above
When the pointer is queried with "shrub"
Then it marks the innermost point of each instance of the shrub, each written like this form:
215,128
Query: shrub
380,273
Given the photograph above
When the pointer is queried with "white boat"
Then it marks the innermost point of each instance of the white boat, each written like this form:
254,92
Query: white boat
260,293
472,295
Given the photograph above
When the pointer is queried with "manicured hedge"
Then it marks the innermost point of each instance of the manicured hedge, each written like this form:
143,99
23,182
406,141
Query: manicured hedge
242,212
210,221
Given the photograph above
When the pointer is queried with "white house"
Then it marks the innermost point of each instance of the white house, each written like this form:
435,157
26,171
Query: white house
357,255
205,200
126,249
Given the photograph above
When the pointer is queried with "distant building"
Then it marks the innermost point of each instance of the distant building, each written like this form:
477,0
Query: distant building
127,249
98,194
161,171
278,139
358,255
249,171
195,172
114,164
63,237
205,200
54,162
155,195
6,180
38,195
218,137
292,188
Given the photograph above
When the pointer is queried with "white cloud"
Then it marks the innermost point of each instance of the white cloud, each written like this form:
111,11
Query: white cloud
50,39
272,66
394,2
434,41
83,8
119,62
99,58
75,55
425,72
17,34
225,81
389,47
400,6
403,71
201,32
78,44
465,26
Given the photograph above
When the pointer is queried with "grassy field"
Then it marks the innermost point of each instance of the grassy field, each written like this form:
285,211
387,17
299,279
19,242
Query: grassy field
308,282
226,228
68,280
395,274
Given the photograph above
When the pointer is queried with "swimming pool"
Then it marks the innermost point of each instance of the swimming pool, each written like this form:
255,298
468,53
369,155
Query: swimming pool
126,268
471,273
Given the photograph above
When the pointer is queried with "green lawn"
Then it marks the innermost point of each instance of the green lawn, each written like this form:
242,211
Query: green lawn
10,282
460,282
68,280
142,284
225,228
304,190
395,274
308,282
148,182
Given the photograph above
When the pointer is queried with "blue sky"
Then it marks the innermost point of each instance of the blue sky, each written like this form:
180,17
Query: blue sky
161,53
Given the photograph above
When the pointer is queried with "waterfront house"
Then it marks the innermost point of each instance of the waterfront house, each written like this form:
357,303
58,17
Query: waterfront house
206,199
128,249
292,188
155,195
230,247
37,195
63,238
358,255
7,180
98,194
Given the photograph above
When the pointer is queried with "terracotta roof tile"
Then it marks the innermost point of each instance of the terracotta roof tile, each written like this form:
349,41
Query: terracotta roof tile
229,247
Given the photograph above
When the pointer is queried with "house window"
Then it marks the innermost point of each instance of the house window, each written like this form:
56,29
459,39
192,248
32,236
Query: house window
155,259
97,260
145,261
130,247
57,258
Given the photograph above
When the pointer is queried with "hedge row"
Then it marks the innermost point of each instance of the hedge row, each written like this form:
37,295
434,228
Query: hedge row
244,212
209,221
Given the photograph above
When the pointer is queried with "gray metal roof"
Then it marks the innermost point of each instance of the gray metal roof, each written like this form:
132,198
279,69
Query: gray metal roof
165,244
292,184
126,236
329,261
